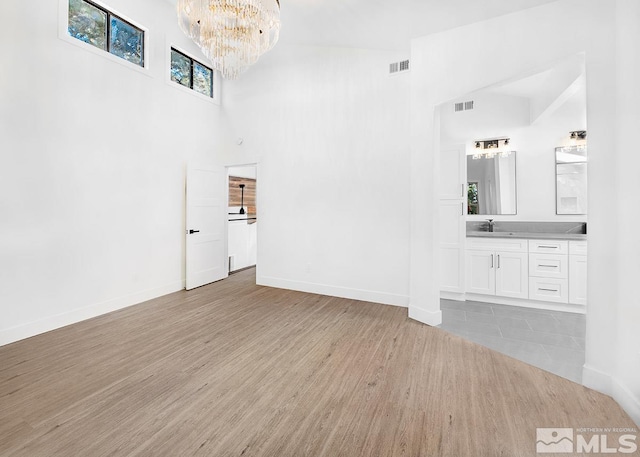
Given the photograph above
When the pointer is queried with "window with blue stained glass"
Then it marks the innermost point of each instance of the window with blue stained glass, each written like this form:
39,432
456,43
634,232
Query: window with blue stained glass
202,79
180,68
88,23
99,27
191,73
126,41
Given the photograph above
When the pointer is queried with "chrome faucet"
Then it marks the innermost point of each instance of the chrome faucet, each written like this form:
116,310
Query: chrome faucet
490,224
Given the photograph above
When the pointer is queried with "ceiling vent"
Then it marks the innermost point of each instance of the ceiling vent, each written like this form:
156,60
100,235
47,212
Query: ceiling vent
463,106
399,67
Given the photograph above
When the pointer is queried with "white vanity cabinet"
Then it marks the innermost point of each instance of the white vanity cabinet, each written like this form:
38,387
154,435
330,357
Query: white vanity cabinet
551,274
497,267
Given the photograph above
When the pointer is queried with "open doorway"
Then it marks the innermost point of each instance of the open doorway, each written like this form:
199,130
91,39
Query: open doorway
499,216
243,217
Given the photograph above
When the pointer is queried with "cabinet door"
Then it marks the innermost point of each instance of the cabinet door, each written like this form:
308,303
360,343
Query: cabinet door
512,274
452,176
480,272
450,270
451,221
578,279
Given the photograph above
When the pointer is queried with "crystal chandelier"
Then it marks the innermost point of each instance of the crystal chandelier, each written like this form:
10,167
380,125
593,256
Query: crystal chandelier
233,34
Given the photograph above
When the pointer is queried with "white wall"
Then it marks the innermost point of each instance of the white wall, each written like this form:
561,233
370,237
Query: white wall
92,177
520,44
627,353
331,131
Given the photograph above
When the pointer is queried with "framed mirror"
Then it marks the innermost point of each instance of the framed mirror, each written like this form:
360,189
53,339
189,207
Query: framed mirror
571,180
491,185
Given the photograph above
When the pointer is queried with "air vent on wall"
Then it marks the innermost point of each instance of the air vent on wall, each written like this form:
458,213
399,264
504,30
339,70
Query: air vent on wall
398,67
463,106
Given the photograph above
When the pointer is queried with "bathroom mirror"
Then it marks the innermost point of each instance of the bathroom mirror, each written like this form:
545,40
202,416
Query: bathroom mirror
491,185
571,180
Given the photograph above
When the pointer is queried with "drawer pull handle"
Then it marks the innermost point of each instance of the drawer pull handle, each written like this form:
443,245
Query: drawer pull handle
549,266
547,247
548,290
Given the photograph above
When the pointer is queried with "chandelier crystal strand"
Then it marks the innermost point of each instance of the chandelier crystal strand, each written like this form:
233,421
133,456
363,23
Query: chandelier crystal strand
233,34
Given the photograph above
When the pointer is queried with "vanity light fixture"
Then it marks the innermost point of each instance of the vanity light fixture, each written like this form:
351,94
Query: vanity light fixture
488,149
577,141
578,135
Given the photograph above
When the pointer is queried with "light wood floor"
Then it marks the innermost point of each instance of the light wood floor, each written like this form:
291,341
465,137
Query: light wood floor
233,369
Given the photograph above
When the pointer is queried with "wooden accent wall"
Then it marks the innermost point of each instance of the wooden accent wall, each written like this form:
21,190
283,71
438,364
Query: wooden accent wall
249,193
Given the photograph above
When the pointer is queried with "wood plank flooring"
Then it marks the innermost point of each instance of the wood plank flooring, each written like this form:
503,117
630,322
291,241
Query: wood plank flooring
234,369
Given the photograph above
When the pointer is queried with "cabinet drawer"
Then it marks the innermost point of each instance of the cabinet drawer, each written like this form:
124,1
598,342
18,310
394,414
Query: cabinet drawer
497,244
549,266
549,289
549,246
578,247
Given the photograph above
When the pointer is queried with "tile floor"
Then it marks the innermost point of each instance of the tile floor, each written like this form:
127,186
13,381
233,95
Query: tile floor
551,340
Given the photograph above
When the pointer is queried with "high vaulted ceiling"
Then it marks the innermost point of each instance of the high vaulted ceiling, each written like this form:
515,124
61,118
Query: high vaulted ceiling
383,24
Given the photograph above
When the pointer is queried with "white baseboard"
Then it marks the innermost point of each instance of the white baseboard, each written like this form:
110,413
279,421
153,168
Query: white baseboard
629,402
456,296
431,318
596,379
47,324
537,304
608,385
335,291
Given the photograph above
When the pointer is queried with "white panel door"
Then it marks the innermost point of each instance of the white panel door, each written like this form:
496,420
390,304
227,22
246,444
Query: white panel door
512,274
481,273
206,223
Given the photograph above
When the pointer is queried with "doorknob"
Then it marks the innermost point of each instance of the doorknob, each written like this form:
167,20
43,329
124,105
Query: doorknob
191,232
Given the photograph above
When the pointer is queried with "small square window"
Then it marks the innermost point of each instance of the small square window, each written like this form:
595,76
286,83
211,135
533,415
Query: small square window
126,41
202,79
88,23
180,68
